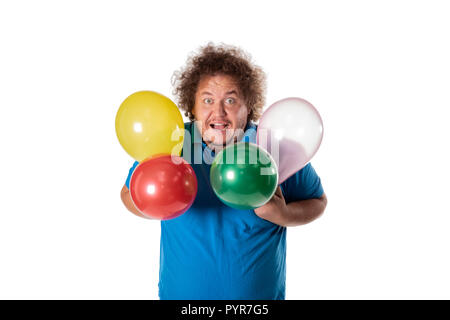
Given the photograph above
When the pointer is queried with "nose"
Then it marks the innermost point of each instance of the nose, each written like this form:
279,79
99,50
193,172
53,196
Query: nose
219,109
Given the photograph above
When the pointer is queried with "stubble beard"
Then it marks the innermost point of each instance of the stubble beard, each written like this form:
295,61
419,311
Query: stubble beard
215,140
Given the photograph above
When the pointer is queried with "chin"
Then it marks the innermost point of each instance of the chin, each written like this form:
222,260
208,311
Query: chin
219,139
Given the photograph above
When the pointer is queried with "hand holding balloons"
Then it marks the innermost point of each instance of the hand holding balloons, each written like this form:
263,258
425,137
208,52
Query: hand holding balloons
291,130
150,128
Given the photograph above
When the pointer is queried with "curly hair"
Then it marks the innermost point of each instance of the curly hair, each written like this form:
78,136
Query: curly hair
221,59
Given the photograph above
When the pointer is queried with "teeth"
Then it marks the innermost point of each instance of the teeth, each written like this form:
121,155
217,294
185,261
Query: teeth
220,125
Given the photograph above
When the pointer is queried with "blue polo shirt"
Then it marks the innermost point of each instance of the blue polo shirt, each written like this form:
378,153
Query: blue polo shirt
216,252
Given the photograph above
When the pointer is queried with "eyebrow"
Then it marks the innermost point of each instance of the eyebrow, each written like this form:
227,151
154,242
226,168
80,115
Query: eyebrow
229,92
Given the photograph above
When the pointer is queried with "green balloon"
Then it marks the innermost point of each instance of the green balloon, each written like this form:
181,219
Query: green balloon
244,176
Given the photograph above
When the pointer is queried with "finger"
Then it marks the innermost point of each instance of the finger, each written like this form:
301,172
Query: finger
278,192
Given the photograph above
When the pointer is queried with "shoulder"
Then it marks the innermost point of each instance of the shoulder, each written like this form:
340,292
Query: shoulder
300,175
304,184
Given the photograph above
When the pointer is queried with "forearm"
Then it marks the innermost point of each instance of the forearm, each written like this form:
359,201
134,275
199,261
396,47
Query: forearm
293,214
303,212
126,199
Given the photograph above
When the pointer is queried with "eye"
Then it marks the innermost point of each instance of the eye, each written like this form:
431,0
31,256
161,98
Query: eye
207,100
230,100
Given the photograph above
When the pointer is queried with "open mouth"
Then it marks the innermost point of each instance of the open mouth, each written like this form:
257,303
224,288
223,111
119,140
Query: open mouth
219,125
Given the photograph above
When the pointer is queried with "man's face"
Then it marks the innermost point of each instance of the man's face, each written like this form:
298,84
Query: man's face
220,109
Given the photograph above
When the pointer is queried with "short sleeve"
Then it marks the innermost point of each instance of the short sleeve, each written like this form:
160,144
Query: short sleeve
127,182
304,184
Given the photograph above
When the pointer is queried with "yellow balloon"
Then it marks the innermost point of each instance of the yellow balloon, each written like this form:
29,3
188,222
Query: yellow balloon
148,124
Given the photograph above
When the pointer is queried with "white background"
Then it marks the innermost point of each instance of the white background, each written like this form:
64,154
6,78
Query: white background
377,71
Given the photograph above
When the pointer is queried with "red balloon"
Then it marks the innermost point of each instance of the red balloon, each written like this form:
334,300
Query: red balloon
162,188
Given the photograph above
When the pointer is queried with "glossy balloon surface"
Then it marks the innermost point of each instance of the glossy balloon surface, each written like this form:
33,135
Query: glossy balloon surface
244,176
148,124
291,130
162,189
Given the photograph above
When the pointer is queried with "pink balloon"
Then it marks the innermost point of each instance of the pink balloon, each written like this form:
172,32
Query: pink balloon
291,130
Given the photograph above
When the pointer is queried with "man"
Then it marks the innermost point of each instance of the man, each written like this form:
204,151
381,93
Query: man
213,251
